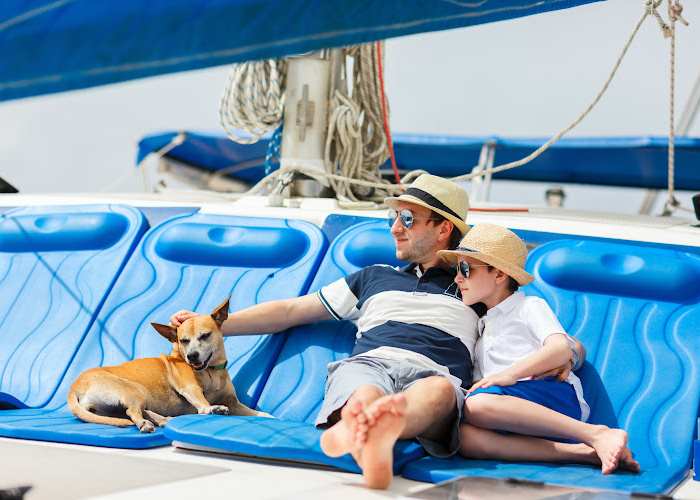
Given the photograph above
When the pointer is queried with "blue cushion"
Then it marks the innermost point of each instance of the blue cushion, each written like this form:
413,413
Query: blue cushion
270,439
294,391
187,262
57,265
636,310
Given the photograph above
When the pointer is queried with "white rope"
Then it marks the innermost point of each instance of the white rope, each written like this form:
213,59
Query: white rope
579,119
356,145
253,100
675,10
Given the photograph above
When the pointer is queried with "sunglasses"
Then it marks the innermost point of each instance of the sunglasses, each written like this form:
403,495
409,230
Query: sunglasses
406,217
462,267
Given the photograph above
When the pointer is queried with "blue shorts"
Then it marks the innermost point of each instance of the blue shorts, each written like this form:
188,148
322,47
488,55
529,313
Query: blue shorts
549,392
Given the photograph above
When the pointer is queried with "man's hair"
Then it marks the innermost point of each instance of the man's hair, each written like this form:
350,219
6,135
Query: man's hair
455,235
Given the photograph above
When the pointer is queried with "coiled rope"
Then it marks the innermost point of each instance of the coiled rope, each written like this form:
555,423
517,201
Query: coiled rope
353,121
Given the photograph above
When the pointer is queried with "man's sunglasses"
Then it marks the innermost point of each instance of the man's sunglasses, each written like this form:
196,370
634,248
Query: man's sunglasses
463,267
406,217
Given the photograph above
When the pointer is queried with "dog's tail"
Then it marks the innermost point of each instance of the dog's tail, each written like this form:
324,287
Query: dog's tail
94,418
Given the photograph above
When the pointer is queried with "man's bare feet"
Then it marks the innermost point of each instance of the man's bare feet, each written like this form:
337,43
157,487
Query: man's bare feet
340,438
611,447
386,419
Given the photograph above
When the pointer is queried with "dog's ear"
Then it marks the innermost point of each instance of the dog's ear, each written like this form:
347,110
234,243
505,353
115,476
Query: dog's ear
167,331
220,313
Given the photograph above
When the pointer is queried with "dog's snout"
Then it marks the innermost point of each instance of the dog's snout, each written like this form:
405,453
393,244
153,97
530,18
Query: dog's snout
193,357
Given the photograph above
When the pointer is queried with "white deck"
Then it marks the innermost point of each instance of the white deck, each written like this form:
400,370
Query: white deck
59,471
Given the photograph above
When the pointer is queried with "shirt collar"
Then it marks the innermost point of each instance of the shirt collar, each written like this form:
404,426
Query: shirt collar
507,305
415,269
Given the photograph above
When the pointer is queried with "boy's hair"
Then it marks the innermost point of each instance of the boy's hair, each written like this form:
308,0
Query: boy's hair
513,285
455,235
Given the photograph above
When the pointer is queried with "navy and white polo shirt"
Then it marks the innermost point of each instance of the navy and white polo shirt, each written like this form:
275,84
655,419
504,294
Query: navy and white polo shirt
403,313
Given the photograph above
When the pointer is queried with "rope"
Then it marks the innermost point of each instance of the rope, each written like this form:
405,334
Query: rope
675,10
357,143
518,163
253,100
385,113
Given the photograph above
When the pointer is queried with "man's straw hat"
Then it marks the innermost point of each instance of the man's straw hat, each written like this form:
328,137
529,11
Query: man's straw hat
494,245
439,195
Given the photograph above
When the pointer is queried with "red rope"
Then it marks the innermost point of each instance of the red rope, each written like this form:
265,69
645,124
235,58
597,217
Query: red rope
390,143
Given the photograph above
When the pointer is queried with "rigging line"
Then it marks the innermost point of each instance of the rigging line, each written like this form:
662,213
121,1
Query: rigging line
518,163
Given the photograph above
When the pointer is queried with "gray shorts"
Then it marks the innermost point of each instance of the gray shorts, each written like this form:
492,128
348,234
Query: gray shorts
391,376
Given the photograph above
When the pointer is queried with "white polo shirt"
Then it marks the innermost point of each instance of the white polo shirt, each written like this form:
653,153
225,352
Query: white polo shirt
514,329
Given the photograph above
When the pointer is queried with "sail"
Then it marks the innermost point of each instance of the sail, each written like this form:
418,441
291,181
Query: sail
58,45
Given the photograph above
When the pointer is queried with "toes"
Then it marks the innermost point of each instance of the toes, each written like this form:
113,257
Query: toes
147,426
219,409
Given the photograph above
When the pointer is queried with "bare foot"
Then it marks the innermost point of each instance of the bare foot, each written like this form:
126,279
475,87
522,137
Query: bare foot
340,438
628,463
586,454
386,419
610,445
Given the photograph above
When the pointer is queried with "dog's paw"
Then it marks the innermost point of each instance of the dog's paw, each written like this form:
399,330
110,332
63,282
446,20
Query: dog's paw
214,410
147,426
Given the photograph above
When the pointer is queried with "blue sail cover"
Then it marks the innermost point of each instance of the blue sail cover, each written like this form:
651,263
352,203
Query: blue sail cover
51,46
607,161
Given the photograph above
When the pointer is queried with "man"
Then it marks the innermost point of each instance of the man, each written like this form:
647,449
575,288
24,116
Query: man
414,340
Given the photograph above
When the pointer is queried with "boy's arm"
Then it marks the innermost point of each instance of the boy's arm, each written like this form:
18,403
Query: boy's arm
578,357
553,354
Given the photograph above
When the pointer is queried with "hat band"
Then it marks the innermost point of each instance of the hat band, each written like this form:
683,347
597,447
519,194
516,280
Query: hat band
431,200
465,249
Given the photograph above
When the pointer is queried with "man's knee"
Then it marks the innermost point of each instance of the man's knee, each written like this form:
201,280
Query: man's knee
366,393
442,390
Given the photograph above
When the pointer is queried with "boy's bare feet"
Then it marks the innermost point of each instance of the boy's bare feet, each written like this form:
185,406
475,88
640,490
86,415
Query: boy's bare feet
611,447
589,455
340,438
386,419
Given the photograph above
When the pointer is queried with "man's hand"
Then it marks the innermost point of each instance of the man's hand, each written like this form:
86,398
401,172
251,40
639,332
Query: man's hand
561,372
181,316
503,378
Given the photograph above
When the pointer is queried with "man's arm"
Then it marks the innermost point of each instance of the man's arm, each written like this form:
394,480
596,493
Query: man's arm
268,317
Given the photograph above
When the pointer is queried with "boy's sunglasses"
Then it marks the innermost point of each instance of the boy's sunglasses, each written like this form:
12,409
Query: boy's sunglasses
406,217
463,267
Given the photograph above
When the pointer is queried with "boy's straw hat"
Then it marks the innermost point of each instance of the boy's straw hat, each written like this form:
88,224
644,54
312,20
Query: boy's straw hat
439,195
494,245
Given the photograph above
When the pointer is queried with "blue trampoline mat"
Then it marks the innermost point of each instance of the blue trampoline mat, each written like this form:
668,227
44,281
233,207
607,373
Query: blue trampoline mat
59,425
294,390
187,262
57,265
271,439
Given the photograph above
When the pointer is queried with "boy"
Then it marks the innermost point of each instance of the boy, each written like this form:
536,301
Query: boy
520,337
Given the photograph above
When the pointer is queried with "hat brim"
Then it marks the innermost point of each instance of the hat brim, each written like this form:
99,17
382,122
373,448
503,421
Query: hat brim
516,272
392,201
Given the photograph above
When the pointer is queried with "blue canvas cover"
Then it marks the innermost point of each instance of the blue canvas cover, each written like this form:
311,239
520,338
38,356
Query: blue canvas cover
294,391
57,265
608,161
188,262
637,311
53,46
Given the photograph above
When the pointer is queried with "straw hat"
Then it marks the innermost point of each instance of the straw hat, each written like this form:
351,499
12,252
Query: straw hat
494,245
439,195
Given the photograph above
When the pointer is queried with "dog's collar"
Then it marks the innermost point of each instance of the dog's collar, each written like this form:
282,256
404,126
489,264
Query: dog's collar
222,366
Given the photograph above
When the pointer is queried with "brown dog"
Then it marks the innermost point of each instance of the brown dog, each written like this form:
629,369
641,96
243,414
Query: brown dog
184,382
